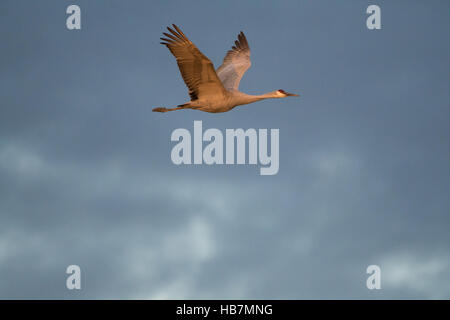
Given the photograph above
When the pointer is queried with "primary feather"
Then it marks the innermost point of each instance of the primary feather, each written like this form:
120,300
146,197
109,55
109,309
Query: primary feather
235,64
196,69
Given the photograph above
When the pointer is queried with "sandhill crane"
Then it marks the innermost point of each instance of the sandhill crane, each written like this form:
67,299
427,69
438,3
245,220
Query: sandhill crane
213,90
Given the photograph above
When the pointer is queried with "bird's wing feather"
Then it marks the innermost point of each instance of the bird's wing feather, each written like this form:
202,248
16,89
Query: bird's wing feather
196,69
235,64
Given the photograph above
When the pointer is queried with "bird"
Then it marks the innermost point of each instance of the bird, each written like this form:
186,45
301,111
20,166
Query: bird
211,90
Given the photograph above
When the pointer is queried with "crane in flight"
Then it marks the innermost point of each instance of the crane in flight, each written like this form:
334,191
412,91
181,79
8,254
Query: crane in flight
213,90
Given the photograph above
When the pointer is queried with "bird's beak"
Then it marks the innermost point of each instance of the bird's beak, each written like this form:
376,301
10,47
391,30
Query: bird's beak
292,94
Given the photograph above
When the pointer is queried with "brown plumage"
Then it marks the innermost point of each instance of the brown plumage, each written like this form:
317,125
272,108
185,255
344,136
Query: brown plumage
196,69
211,90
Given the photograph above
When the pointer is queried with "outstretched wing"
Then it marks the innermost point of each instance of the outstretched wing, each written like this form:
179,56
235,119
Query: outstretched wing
196,69
235,63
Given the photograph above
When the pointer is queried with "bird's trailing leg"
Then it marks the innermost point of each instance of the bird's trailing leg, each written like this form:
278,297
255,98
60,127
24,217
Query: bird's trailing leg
181,106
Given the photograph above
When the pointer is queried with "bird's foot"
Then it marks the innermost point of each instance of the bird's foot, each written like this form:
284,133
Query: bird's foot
159,110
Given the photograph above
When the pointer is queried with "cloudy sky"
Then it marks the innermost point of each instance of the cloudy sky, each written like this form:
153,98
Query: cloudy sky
86,176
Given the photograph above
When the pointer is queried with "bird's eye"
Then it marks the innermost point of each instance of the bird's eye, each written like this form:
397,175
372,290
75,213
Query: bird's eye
280,90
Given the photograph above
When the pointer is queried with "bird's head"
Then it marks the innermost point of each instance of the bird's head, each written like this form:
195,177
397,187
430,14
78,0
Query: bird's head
283,94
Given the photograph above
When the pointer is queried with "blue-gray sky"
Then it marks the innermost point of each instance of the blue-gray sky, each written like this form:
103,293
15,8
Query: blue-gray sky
86,176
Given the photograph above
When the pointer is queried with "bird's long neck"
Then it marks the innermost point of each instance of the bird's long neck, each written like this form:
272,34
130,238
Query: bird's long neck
249,98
